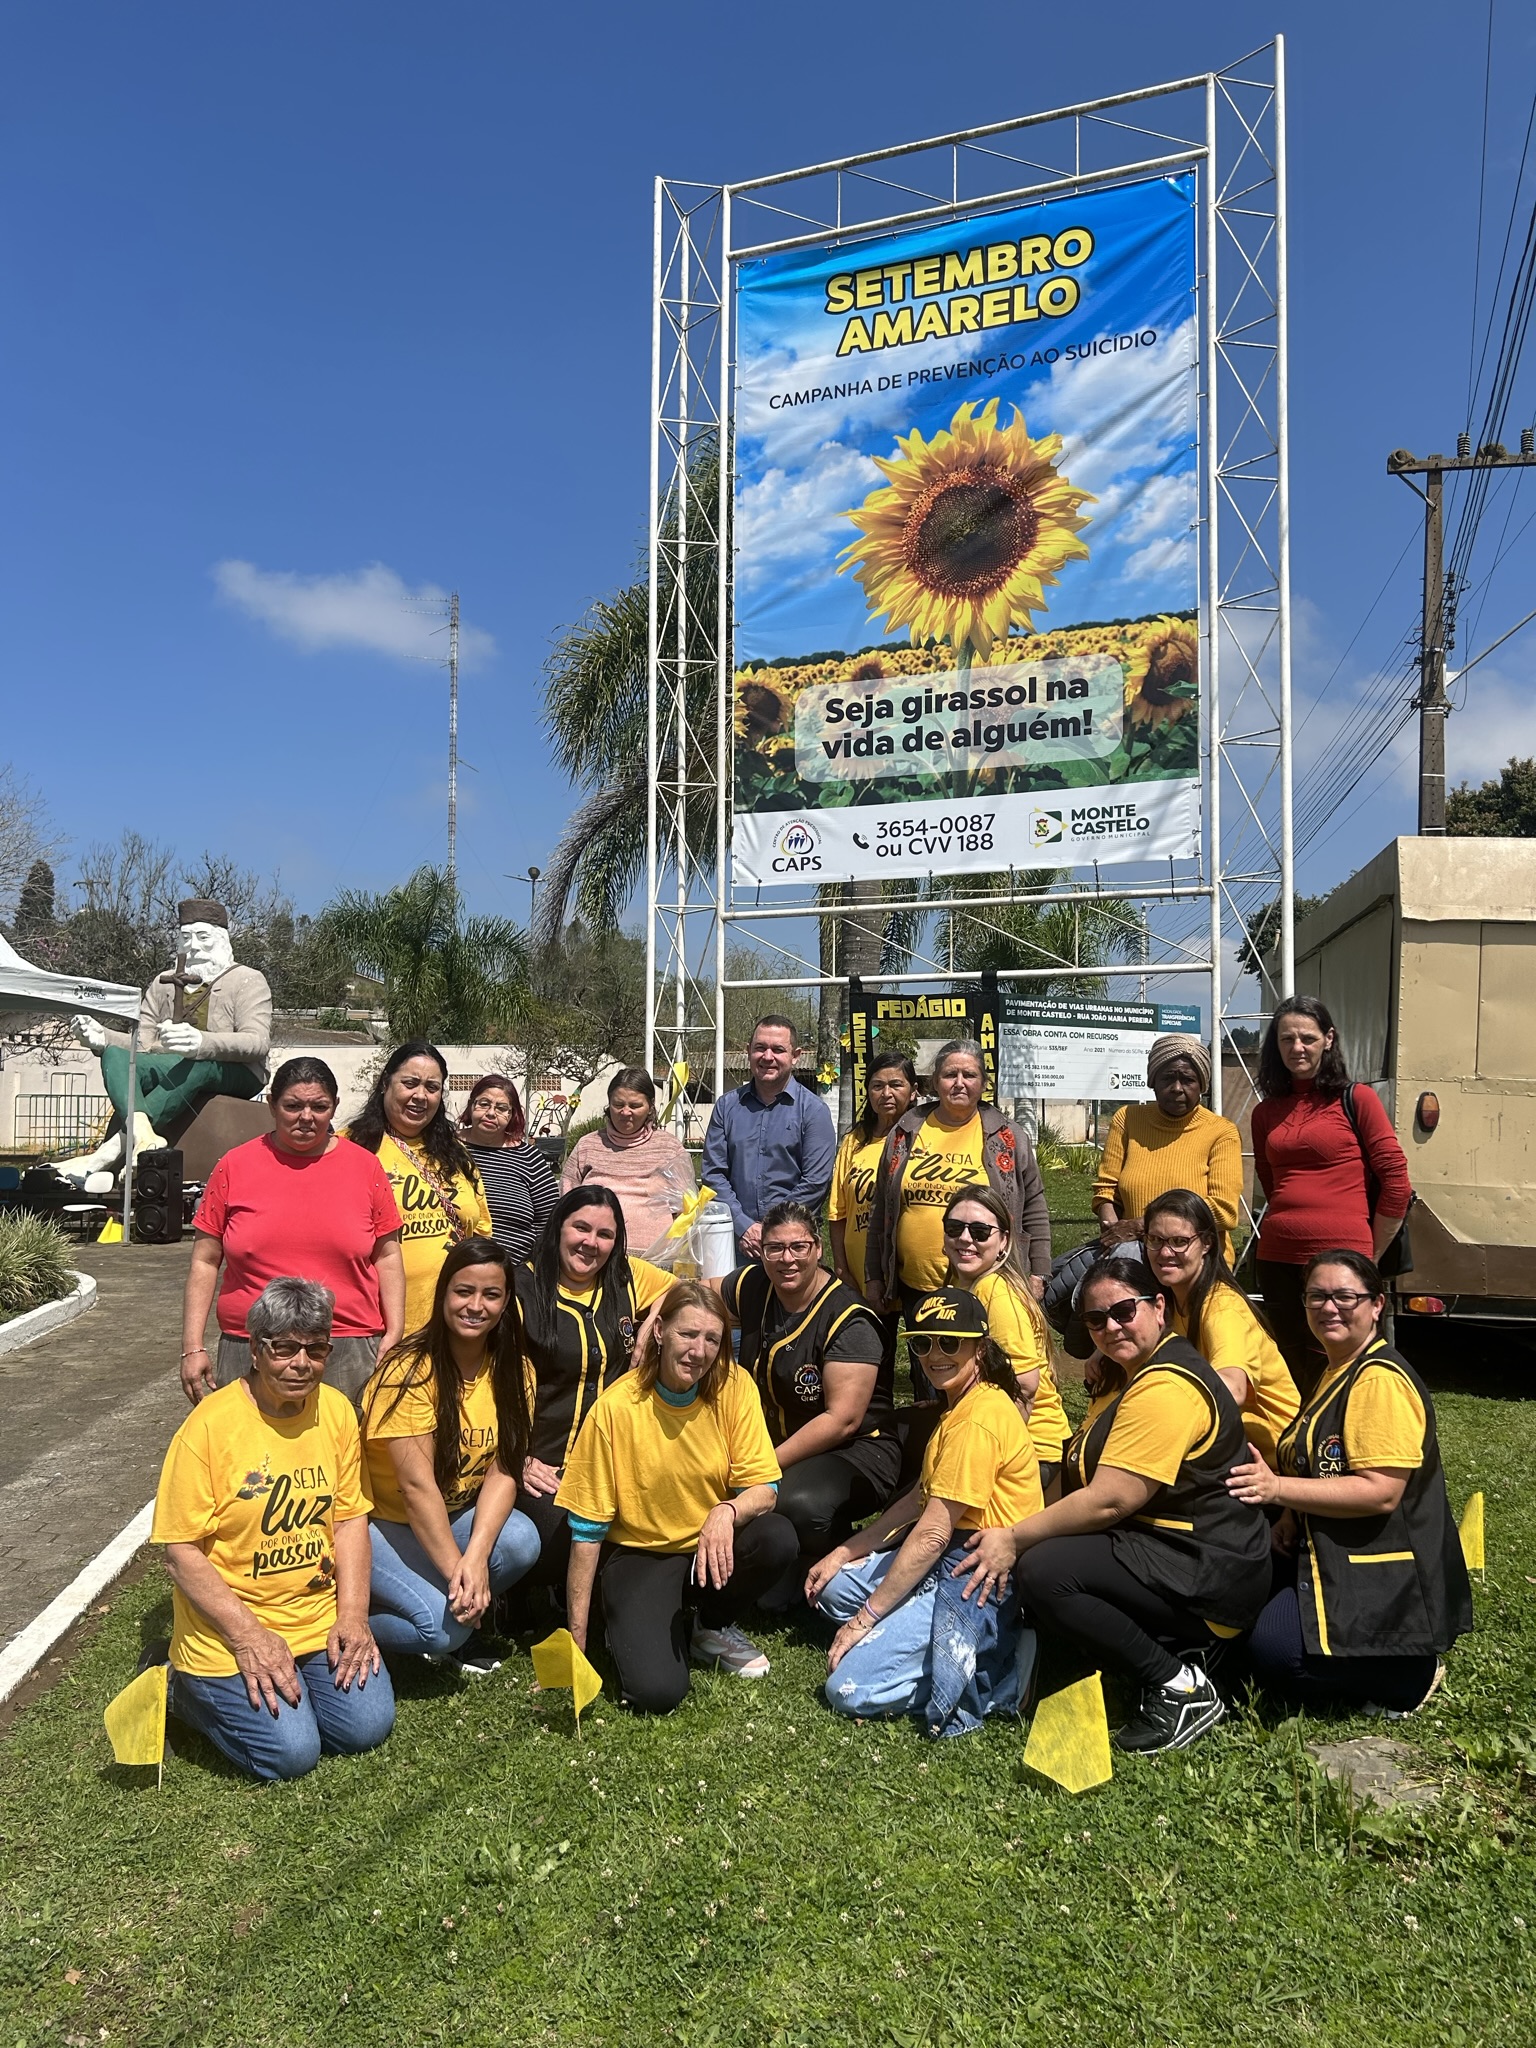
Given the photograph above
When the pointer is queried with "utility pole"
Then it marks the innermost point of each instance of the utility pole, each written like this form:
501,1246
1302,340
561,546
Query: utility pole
1438,615
453,739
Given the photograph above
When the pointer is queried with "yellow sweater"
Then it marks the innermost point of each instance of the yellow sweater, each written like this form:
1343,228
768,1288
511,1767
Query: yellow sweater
1147,1154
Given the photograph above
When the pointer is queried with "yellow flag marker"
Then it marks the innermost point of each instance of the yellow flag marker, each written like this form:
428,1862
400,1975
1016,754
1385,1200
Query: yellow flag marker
1472,1533
559,1666
135,1720
688,1215
111,1231
1069,1738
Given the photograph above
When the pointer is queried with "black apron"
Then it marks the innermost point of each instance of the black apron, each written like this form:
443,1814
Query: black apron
784,1352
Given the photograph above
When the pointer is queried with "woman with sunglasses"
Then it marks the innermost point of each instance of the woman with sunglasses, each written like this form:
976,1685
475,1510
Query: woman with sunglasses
883,1586
445,1432
889,1093
581,1300
1183,1247
983,1258
1147,1559
264,1518
817,1353
1372,1587
954,1142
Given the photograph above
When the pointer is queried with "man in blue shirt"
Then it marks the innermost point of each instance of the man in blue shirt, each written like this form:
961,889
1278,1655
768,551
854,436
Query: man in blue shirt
771,1141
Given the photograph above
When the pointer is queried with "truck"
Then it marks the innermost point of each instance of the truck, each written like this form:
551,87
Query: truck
1426,959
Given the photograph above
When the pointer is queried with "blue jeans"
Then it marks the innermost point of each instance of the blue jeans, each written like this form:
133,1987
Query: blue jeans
887,1671
408,1595
326,1722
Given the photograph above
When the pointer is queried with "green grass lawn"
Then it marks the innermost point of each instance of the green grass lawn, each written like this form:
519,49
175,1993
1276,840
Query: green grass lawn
753,1870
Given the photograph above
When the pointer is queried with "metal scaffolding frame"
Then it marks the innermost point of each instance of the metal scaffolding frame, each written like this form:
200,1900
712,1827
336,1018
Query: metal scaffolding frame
1229,126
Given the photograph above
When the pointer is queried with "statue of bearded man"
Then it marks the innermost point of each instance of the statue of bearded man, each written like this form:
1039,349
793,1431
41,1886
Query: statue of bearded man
205,1029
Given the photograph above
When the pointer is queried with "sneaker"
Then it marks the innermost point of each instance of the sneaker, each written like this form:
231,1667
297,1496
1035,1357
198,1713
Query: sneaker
475,1658
727,1649
1407,1713
1168,1719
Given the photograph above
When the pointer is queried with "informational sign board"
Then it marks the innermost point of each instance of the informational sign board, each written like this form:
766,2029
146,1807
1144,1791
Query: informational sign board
965,534
1073,1050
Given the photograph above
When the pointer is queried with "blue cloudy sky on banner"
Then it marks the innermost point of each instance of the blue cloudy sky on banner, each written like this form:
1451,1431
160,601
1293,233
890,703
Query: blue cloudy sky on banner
1128,420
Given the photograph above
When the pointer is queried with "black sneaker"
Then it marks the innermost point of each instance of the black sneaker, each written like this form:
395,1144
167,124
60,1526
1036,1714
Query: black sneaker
1170,1720
475,1658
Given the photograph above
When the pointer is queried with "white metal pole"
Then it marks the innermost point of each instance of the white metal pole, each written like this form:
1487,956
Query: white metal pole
651,651
453,740
680,707
1283,566
133,1096
724,664
1212,689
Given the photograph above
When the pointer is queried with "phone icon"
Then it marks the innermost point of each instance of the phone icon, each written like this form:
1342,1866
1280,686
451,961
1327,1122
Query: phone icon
860,842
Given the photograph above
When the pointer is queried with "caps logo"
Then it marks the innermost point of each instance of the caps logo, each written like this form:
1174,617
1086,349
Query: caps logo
1045,828
795,848
938,1312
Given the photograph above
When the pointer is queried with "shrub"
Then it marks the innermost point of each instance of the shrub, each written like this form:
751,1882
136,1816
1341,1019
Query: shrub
34,1264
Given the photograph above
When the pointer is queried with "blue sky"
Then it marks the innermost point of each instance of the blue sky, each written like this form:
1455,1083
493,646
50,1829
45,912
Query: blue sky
353,300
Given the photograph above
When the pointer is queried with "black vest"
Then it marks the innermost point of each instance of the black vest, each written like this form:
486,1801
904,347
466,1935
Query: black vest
1193,1541
1390,1585
784,1352
566,1379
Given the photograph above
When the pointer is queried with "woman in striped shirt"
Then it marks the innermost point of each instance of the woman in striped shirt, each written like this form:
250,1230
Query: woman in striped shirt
520,1186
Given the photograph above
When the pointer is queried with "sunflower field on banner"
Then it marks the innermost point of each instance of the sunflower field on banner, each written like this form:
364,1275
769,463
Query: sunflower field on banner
966,520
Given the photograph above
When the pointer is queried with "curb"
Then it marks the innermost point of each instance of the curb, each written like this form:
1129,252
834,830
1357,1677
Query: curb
53,1315
22,1655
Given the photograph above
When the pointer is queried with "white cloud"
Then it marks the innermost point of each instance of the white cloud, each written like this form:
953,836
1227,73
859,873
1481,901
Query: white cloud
784,518
372,608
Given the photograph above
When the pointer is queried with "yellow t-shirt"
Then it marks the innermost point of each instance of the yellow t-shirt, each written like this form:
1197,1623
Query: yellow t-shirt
653,1471
1161,1419
415,1414
1384,1421
261,1495
941,1161
427,1232
982,1455
851,1201
1232,1339
1012,1329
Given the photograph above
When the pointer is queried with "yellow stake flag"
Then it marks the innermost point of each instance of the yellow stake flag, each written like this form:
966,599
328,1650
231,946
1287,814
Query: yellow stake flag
689,1214
111,1231
135,1720
559,1666
1069,1738
1472,1533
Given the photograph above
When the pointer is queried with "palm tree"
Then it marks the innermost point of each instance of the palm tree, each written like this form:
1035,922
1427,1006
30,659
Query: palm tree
1069,930
446,976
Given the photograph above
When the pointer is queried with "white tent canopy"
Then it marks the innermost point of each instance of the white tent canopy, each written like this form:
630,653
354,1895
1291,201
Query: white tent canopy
25,988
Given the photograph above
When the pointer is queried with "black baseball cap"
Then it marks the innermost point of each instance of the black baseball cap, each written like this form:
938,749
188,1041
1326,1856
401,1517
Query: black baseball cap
951,1313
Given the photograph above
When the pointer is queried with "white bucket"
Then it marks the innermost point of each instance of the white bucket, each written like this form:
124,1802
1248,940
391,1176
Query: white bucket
714,1241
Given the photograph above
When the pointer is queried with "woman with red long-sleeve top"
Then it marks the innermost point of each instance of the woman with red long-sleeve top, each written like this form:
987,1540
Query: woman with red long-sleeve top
1319,1178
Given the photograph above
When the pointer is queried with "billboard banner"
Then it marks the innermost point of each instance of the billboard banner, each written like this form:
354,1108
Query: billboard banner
966,518
1079,1050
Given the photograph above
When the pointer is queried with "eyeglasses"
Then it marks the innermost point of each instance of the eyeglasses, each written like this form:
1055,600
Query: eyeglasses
921,1346
1345,1298
977,1232
1177,1245
1121,1312
285,1348
797,1249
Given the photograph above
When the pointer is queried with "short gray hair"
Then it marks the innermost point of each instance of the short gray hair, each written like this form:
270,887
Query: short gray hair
956,1046
289,1307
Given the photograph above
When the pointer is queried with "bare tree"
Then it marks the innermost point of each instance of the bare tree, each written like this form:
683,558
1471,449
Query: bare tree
27,834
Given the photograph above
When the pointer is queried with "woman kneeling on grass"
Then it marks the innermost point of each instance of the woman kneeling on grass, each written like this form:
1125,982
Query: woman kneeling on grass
264,1519
1371,1585
672,1485
1146,1559
908,1643
445,1426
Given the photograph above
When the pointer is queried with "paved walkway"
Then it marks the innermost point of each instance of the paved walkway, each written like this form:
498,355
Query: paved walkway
88,1412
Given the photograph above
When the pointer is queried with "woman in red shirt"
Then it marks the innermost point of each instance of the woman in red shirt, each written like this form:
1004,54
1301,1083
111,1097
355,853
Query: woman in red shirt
303,1203
1326,1187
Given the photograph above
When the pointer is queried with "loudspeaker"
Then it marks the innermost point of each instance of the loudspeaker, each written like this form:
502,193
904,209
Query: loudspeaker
157,1198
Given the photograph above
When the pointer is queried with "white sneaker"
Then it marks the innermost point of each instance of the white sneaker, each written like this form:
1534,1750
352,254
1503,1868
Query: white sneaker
728,1650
